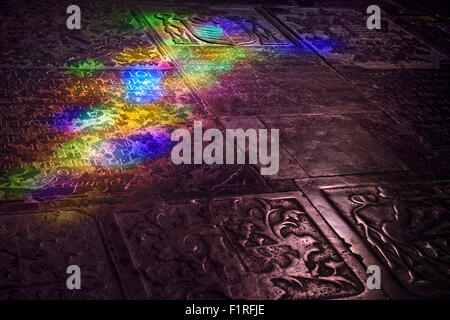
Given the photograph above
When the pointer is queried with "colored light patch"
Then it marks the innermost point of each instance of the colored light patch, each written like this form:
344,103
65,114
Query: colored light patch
130,151
207,72
142,86
209,31
83,68
129,130
70,153
91,90
149,55
206,76
152,116
19,181
323,44
77,119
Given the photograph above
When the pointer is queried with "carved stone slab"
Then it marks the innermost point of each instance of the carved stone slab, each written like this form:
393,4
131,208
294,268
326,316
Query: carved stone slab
417,98
206,25
36,249
36,35
401,221
330,145
47,114
289,168
432,30
254,247
408,147
342,38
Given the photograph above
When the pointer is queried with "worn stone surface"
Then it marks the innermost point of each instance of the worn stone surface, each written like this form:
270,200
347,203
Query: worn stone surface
416,154
289,168
417,98
420,7
433,30
315,140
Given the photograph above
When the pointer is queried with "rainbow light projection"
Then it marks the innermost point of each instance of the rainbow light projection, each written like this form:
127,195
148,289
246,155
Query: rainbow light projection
132,128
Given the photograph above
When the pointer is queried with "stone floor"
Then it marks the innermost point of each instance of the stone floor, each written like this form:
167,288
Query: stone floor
86,176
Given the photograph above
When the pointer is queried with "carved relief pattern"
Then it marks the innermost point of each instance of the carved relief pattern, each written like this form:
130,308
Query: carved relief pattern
236,248
231,27
408,227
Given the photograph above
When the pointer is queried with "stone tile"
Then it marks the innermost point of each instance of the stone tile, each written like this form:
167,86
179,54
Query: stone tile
257,89
402,221
417,98
185,26
420,7
255,247
407,146
432,30
36,249
342,38
360,5
37,35
333,145
288,166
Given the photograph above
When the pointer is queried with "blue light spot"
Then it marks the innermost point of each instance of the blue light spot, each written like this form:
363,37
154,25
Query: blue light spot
142,86
322,44
77,118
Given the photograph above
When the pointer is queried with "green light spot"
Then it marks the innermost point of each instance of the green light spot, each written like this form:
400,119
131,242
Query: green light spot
86,67
18,181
